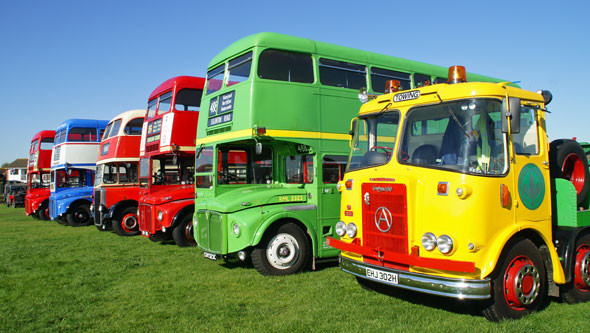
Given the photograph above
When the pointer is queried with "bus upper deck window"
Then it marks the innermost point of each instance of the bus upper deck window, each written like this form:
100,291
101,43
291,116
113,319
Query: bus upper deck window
134,126
164,104
379,76
285,66
188,100
215,79
342,74
239,69
151,110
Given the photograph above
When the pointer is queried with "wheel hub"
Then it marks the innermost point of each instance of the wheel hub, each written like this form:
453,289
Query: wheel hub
522,283
282,251
130,222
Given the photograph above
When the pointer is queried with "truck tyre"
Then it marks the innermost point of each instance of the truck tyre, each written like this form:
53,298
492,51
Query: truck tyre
79,215
567,160
43,211
127,223
578,289
519,283
183,232
282,251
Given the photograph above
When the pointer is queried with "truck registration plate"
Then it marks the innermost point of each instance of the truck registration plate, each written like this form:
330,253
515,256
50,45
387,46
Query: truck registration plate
211,256
391,278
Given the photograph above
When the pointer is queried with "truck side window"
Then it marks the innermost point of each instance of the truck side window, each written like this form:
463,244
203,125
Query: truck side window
527,141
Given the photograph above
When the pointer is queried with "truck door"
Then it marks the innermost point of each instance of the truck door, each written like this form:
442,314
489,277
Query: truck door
531,170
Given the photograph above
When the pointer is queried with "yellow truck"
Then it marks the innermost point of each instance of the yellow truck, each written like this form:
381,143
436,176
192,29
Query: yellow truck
453,189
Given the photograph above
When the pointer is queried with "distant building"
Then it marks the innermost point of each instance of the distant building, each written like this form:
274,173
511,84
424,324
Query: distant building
17,170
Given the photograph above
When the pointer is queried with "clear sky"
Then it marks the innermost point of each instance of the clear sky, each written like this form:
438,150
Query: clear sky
94,59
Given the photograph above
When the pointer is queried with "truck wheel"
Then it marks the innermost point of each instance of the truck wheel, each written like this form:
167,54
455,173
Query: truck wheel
567,160
282,251
79,215
519,284
128,222
43,211
578,290
183,232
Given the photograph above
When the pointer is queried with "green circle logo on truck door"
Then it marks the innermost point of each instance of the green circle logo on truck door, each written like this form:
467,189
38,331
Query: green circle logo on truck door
531,186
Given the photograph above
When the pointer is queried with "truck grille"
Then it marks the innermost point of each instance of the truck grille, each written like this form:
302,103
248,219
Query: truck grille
385,217
210,230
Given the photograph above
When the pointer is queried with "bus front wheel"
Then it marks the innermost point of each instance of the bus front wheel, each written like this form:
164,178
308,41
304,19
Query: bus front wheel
519,284
127,224
183,232
282,251
79,215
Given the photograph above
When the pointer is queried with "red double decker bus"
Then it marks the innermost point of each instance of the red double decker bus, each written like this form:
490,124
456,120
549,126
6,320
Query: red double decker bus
38,175
116,185
168,160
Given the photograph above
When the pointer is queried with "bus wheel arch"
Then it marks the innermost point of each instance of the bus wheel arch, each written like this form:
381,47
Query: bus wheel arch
285,248
43,210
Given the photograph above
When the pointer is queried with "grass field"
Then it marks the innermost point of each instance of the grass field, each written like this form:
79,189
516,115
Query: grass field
58,278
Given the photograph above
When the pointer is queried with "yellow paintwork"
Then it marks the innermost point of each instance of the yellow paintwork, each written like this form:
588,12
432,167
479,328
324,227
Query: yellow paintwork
474,217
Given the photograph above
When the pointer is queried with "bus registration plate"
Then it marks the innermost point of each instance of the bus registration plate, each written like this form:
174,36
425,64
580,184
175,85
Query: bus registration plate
391,278
211,256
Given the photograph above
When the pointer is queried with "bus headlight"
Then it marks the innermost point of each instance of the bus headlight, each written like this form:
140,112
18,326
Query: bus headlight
429,241
351,230
160,216
340,228
445,244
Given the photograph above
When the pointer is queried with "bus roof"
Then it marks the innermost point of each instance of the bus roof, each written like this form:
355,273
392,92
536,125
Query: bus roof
286,42
82,123
184,81
125,117
43,134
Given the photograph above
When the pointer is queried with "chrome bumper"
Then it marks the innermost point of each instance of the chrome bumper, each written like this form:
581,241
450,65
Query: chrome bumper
429,284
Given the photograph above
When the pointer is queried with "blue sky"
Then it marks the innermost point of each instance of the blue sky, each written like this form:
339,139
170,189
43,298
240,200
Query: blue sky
95,59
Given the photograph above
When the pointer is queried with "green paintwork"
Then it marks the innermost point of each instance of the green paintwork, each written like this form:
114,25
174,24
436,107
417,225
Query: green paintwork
531,186
566,213
284,106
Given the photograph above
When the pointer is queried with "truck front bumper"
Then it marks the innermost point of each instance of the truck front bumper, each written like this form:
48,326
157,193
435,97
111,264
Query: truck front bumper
430,284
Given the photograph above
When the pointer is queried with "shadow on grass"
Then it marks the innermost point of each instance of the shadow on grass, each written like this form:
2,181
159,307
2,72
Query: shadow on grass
466,307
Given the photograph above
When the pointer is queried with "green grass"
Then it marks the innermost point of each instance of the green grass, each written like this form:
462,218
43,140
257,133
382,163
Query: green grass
58,278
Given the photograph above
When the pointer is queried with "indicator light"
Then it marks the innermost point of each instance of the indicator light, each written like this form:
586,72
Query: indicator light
442,188
504,196
348,184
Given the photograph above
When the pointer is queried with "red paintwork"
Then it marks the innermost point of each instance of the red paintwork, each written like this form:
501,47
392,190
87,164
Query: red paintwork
122,148
404,259
169,199
36,196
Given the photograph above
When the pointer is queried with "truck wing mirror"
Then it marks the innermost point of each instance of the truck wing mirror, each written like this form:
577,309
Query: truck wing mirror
511,112
353,124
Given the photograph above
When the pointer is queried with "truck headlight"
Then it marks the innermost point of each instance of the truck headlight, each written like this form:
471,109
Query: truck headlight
236,229
429,241
340,228
445,244
351,230
160,216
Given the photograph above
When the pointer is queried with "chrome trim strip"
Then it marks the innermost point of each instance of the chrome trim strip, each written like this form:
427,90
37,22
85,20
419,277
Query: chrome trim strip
430,284
300,207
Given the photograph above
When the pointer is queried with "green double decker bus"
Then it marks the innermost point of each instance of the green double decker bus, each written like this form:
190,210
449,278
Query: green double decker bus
273,141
